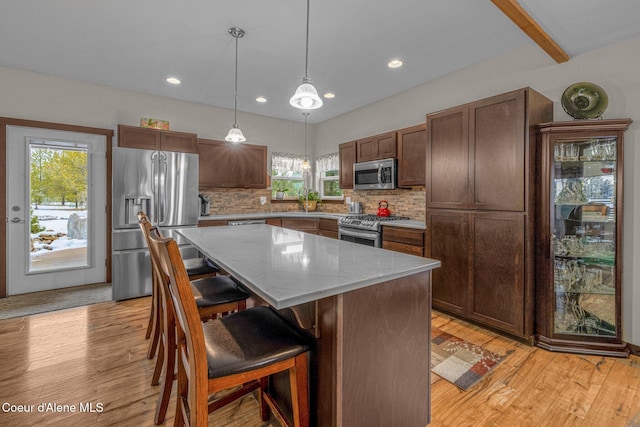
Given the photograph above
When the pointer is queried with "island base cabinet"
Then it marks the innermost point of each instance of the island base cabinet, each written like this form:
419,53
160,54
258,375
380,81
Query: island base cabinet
373,351
483,275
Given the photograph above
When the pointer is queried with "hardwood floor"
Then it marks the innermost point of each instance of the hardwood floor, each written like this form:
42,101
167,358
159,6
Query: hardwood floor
535,387
96,354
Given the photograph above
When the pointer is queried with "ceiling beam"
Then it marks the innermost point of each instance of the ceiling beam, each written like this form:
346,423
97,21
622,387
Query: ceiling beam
522,19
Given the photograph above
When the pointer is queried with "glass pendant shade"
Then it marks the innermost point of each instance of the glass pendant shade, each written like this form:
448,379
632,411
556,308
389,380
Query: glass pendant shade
235,135
305,165
306,96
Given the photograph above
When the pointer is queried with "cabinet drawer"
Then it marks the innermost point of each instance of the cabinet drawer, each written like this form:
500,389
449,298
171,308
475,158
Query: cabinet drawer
409,236
308,225
403,247
275,222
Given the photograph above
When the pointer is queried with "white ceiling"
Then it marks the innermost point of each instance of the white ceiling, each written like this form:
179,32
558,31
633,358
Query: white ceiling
135,45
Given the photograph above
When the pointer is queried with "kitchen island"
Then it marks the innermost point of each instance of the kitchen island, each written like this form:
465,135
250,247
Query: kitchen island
369,308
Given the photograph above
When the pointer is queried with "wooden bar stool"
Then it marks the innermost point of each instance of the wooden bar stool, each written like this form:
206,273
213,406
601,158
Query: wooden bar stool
246,346
197,268
212,296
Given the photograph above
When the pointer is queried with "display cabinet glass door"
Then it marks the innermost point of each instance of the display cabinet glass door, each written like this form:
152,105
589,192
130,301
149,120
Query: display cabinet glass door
583,227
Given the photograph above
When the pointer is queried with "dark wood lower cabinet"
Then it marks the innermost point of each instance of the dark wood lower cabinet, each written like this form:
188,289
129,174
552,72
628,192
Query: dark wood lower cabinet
484,271
308,225
448,242
328,227
496,291
406,240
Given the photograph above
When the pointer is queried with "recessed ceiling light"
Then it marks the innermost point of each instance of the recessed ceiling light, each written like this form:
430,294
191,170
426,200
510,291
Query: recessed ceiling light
396,63
261,99
329,95
173,80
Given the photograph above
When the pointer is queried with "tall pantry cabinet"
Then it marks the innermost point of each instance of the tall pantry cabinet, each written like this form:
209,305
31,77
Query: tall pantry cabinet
480,174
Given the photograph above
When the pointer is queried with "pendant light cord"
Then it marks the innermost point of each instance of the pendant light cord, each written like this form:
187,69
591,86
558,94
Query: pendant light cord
305,134
306,58
235,107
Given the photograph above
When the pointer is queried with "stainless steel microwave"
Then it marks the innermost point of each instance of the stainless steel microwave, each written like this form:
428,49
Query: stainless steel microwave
375,175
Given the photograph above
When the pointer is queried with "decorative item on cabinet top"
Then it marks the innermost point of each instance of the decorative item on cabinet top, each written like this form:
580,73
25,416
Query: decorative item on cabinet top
584,100
154,123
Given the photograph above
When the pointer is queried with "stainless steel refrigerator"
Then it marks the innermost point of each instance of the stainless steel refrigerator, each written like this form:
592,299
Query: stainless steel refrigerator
164,185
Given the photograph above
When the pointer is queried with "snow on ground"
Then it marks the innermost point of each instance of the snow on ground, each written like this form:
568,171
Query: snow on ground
54,219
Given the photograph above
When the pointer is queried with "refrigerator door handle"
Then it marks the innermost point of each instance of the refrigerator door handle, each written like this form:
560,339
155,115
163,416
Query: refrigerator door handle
162,193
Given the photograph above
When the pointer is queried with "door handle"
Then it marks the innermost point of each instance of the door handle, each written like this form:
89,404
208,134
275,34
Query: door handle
16,220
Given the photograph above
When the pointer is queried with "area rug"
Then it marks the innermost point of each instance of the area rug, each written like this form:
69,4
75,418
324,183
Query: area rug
458,361
57,299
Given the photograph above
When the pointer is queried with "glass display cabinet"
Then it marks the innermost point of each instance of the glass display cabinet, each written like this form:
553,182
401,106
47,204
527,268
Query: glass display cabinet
579,231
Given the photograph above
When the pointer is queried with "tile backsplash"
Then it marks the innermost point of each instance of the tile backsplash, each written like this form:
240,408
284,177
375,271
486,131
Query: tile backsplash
225,201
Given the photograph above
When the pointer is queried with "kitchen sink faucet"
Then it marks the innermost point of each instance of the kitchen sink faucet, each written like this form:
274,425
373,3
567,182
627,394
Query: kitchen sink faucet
306,196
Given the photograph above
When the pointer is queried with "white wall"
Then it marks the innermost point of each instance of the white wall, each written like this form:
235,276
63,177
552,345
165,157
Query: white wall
33,96
616,68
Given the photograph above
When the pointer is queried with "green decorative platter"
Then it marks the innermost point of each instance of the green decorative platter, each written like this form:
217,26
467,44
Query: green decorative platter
584,100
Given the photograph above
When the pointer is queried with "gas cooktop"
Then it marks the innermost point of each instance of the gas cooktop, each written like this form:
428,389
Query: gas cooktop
368,222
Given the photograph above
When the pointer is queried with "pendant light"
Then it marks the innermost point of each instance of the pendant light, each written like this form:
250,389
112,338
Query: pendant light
305,164
306,96
235,134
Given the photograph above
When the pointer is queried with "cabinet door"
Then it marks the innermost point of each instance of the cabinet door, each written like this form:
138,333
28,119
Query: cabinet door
347,154
448,241
377,147
447,172
386,145
216,163
328,227
250,166
497,152
367,149
497,291
412,150
179,141
137,137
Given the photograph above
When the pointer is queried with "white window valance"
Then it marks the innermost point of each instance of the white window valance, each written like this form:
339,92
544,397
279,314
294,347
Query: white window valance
286,165
327,162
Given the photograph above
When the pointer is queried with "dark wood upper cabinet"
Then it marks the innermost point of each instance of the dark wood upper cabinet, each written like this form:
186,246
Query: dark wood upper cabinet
223,164
447,158
497,152
376,147
347,154
251,166
155,139
480,154
412,150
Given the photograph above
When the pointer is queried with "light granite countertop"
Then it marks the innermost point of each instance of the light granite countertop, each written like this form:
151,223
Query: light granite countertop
288,267
259,215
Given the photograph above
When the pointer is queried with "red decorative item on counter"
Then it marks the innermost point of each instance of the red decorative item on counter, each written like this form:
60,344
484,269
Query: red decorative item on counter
383,208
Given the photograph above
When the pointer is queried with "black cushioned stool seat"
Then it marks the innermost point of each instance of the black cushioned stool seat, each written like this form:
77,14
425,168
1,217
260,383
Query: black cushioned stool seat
251,339
217,290
199,267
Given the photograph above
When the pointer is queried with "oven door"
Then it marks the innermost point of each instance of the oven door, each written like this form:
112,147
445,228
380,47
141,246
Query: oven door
363,237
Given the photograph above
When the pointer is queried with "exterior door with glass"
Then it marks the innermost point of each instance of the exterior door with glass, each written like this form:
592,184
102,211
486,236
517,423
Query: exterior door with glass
56,198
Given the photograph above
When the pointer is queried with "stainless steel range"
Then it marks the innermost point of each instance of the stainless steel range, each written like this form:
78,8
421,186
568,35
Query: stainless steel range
364,229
